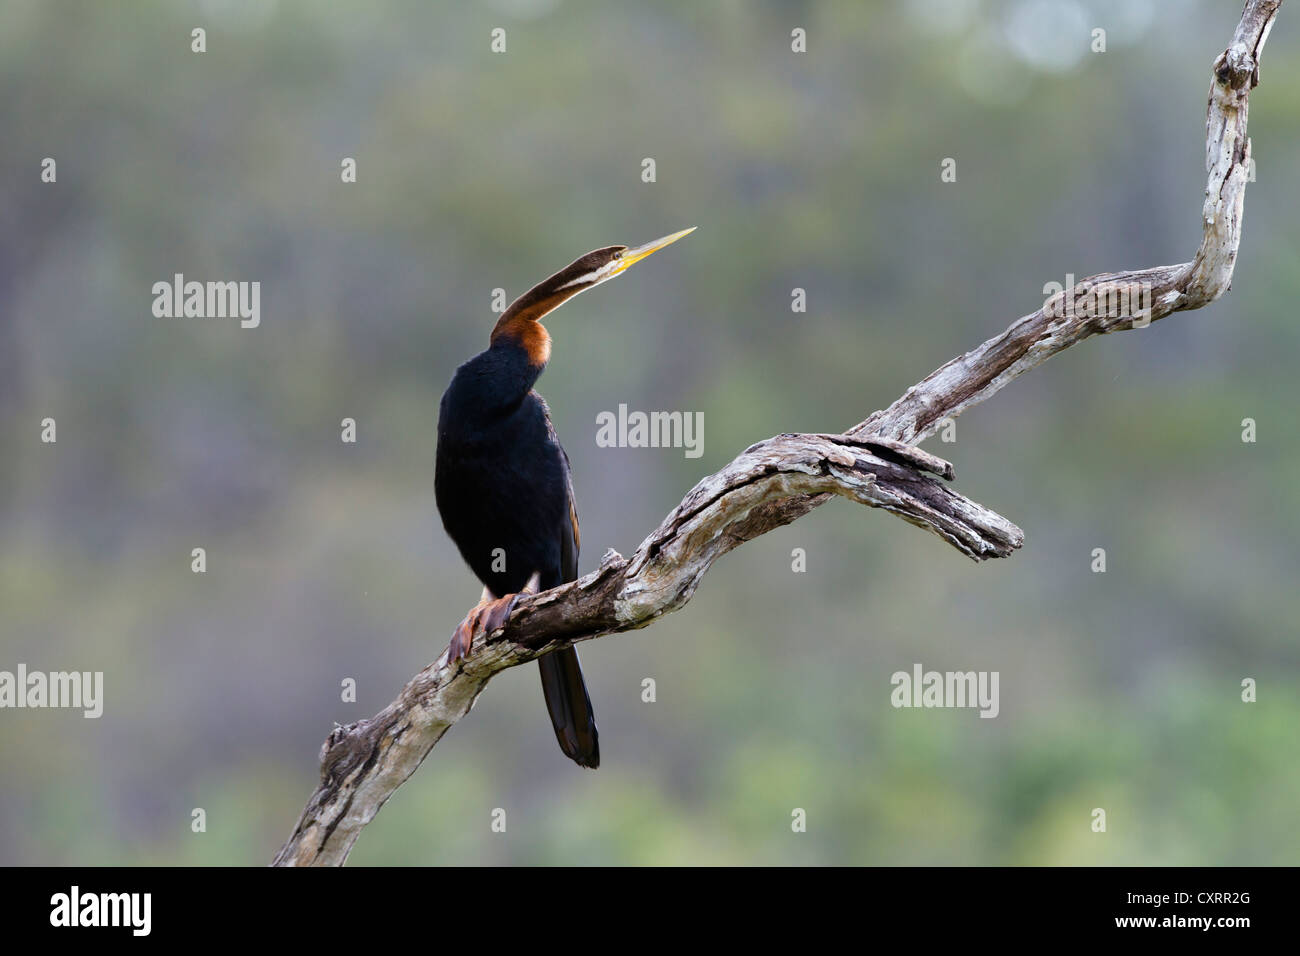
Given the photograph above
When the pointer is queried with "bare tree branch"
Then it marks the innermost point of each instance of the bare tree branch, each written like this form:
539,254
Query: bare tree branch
783,478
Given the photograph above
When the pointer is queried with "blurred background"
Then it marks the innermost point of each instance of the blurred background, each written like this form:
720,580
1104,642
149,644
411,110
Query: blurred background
479,170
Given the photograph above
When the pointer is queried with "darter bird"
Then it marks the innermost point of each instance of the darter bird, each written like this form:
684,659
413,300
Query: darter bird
503,485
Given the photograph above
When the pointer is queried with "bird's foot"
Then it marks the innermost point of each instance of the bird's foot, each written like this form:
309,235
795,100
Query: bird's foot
490,614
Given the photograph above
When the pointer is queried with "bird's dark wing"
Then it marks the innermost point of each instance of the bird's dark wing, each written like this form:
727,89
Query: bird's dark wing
570,537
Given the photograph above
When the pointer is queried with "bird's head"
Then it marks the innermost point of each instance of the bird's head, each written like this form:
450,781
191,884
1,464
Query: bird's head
521,320
601,265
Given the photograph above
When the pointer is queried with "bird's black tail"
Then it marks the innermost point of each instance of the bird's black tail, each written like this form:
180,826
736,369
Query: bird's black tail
570,707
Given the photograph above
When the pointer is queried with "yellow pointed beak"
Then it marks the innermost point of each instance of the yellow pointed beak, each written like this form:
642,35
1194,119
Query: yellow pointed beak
633,256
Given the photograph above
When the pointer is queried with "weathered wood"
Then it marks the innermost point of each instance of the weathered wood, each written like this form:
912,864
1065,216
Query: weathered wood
781,479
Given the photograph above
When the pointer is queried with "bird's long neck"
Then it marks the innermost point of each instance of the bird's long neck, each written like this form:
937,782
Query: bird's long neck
524,332
513,366
519,349
521,324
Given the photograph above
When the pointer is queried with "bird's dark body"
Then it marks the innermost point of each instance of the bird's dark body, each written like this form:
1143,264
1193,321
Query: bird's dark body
503,484
502,480
506,498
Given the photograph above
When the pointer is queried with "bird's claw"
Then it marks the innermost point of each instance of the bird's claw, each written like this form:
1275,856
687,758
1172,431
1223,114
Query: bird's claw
461,638
498,612
491,615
